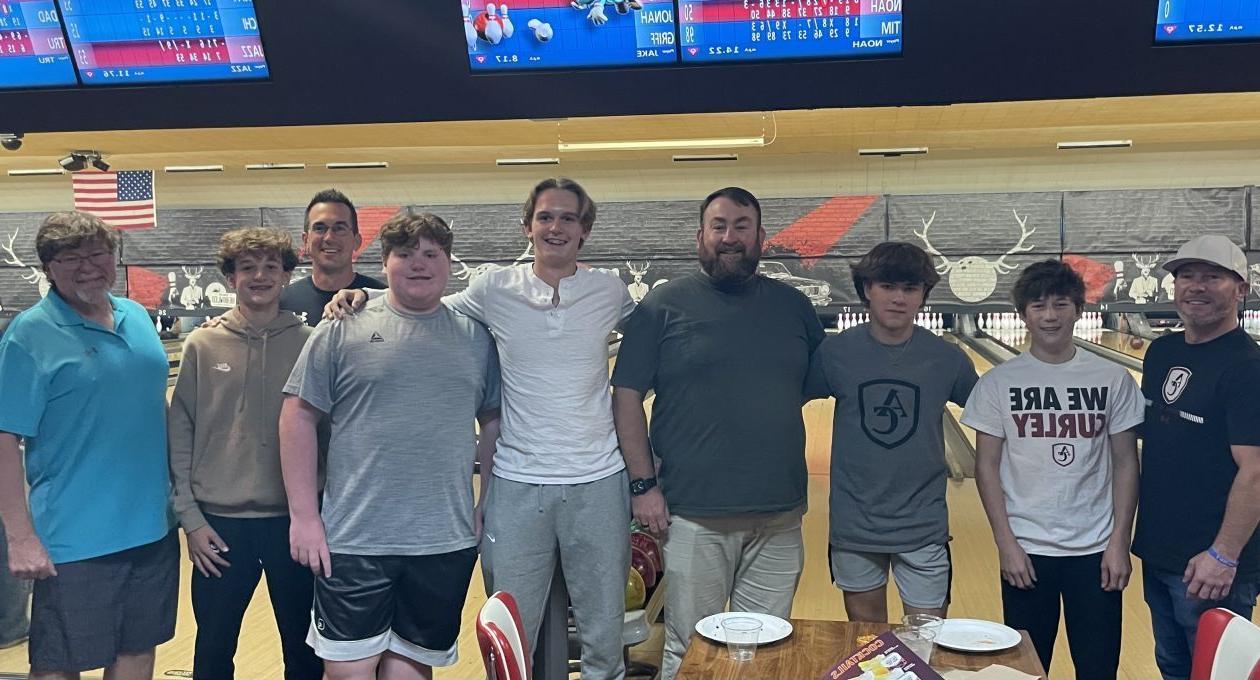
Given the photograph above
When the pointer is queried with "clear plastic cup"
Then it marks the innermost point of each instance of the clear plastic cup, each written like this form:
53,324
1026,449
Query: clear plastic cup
917,640
741,634
928,621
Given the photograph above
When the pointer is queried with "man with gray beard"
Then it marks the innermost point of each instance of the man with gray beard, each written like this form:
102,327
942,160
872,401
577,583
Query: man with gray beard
727,353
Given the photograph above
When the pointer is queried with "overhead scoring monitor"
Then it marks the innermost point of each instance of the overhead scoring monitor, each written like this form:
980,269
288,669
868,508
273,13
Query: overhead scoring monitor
754,30
1184,21
540,34
32,48
129,42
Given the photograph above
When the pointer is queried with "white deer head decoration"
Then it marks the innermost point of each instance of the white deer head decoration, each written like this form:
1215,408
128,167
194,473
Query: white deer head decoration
973,278
36,277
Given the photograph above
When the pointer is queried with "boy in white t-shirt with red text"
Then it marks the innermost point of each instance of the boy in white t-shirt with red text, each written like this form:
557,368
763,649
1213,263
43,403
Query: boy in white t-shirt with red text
1057,471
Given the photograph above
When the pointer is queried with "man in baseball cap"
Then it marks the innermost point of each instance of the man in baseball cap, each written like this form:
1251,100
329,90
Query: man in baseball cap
1199,495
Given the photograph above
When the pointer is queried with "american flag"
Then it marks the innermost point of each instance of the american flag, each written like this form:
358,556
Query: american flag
122,199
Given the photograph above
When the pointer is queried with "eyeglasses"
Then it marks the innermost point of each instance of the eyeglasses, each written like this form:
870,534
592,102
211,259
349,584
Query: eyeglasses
99,258
338,229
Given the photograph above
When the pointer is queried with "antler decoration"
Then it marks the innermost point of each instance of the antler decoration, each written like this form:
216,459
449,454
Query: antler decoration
13,259
945,265
1024,232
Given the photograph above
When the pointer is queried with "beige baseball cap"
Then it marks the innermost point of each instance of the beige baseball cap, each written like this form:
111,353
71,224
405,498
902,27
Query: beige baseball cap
1212,249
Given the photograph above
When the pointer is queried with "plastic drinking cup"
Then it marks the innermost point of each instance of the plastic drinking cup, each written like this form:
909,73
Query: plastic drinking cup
741,637
928,621
917,640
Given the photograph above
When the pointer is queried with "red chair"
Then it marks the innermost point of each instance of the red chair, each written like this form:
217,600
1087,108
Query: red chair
502,639
1227,647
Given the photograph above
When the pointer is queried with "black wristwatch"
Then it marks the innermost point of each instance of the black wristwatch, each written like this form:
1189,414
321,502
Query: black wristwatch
638,487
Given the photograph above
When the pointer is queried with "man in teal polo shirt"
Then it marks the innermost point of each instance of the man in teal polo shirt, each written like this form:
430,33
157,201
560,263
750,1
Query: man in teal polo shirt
85,381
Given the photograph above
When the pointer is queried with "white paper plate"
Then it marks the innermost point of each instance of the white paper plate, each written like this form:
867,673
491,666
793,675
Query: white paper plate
773,628
974,635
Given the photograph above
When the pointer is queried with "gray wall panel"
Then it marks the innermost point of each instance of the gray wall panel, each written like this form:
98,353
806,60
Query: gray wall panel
1150,220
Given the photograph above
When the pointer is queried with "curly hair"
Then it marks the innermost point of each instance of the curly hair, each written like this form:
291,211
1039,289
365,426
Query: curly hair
256,241
405,230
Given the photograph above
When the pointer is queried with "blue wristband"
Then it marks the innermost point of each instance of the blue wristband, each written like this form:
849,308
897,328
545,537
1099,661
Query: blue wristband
1232,564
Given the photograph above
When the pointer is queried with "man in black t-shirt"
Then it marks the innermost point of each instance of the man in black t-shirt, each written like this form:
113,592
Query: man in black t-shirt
726,351
330,237
1199,497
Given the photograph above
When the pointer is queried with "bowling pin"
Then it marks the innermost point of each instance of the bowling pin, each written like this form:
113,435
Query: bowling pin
508,28
494,27
470,33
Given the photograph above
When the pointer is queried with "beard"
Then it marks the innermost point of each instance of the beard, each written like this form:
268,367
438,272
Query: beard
729,272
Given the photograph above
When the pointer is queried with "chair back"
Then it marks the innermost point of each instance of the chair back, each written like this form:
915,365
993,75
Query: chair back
1227,647
502,639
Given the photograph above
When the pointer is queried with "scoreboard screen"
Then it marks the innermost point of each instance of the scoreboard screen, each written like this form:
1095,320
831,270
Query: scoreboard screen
130,42
543,34
1181,21
754,30
32,48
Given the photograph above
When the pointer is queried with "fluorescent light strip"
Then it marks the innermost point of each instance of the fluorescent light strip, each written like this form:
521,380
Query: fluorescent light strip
36,172
357,166
276,166
194,168
652,144
1101,144
700,158
527,161
894,152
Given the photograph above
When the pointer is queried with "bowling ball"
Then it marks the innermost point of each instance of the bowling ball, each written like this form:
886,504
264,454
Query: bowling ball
640,562
636,591
1136,343
649,545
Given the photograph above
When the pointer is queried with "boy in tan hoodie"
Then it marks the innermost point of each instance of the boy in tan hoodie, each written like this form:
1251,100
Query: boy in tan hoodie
225,459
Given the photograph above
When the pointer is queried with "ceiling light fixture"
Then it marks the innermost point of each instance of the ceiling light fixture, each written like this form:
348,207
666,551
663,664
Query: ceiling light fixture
1101,144
527,161
653,144
194,168
894,152
79,160
357,166
702,158
276,166
36,172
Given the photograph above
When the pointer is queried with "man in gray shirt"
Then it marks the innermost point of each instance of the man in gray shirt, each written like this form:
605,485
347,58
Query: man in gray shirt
394,545
891,380
726,351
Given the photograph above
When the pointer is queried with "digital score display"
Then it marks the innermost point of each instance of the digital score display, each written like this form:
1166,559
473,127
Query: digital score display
32,48
130,42
544,34
1180,21
755,30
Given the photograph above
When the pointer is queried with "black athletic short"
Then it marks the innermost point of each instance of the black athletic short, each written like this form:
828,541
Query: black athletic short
409,605
93,610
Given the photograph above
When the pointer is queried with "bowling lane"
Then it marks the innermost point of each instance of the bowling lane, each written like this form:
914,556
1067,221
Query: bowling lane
1114,340
1120,342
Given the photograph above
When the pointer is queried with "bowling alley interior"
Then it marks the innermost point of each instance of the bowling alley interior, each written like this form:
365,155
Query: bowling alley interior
992,136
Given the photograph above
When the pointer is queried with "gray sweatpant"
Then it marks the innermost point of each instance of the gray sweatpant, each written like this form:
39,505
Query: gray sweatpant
527,526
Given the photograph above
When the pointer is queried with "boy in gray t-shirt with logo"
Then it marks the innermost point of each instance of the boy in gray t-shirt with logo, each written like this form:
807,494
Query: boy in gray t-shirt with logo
394,544
891,380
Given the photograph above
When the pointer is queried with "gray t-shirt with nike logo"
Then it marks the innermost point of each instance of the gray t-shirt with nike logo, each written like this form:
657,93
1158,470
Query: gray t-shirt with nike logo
403,391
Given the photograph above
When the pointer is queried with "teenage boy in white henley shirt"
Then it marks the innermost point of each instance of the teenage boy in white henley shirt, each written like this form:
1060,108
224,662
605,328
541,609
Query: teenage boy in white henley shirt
556,488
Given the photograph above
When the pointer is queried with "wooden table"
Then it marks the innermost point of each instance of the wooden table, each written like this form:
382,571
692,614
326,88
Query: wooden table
814,647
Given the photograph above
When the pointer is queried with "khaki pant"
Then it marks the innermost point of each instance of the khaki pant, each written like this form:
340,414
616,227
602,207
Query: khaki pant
752,561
